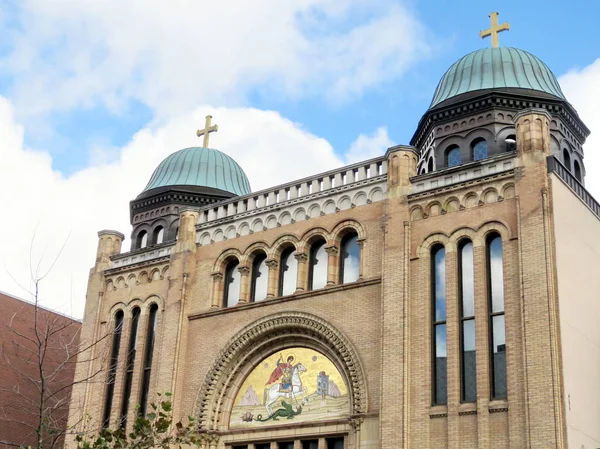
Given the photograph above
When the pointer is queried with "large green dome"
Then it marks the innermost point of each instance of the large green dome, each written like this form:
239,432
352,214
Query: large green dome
496,68
202,167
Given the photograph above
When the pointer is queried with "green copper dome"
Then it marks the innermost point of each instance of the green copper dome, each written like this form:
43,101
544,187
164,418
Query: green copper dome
203,167
496,68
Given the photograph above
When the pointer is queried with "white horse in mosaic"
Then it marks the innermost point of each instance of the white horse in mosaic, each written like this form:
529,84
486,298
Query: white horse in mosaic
273,393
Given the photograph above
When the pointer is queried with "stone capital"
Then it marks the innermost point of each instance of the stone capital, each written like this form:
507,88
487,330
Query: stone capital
218,276
272,264
301,257
332,250
244,271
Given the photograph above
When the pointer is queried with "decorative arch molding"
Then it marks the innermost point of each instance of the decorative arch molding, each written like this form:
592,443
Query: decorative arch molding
270,334
224,258
343,227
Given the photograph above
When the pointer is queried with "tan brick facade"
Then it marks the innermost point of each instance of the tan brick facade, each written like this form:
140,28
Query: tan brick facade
378,330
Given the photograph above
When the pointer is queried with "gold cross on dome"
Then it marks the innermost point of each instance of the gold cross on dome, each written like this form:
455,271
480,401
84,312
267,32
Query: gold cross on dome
494,30
207,130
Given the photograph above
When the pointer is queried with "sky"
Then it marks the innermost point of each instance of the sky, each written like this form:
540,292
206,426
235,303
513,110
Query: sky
94,94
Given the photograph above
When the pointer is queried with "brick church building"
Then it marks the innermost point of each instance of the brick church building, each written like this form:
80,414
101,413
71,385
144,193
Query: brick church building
438,296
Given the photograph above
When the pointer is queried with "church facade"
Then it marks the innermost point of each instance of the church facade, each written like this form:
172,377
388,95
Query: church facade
439,296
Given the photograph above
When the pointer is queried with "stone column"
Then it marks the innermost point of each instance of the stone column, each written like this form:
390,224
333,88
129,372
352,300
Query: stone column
402,165
302,279
332,265
356,423
217,290
361,262
273,278
244,283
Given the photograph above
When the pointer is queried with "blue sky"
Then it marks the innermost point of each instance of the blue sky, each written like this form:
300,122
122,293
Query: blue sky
94,94
561,35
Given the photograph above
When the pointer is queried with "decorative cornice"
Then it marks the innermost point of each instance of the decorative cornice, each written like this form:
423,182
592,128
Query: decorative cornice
134,266
254,339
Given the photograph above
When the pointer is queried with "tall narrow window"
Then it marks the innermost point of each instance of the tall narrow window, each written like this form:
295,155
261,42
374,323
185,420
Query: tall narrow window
497,324
467,321
335,443
567,159
317,270
260,278
142,239
131,351
148,355
288,272
231,292
453,156
430,164
577,169
349,258
440,392
112,370
480,149
159,235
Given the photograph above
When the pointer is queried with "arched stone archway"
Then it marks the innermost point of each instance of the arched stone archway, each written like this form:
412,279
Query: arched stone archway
263,337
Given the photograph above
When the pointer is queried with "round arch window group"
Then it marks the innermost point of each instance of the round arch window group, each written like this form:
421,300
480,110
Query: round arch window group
294,266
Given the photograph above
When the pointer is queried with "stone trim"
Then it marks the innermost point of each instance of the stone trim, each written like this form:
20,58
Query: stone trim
252,341
145,263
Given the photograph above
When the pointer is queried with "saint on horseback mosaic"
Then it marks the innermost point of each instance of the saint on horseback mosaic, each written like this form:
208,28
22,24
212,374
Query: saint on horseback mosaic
298,386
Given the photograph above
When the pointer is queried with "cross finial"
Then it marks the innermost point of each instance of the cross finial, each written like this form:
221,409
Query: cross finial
494,29
207,130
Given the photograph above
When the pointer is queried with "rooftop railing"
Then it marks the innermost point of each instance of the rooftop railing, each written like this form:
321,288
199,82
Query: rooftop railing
311,187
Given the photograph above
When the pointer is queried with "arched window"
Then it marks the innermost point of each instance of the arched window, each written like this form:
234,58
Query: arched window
231,292
112,370
288,272
480,149
142,240
349,258
260,278
317,269
159,235
131,351
567,159
453,156
438,296
577,169
148,355
511,143
430,165
467,318
497,324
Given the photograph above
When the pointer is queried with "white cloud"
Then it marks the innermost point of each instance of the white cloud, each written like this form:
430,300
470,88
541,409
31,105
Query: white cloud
369,146
582,89
175,55
38,200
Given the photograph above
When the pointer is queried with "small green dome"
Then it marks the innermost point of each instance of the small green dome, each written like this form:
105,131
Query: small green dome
496,68
203,167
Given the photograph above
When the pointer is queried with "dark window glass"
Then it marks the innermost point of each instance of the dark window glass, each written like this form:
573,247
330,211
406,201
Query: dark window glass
511,143
148,355
310,444
430,165
159,235
131,351
244,446
112,370
286,445
440,395
467,317
349,259
317,274
453,156
497,325
231,291
480,149
567,159
142,239
335,443
262,446
288,272
577,168
260,278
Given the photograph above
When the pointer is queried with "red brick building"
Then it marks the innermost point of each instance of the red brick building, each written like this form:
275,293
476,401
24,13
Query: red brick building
20,378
